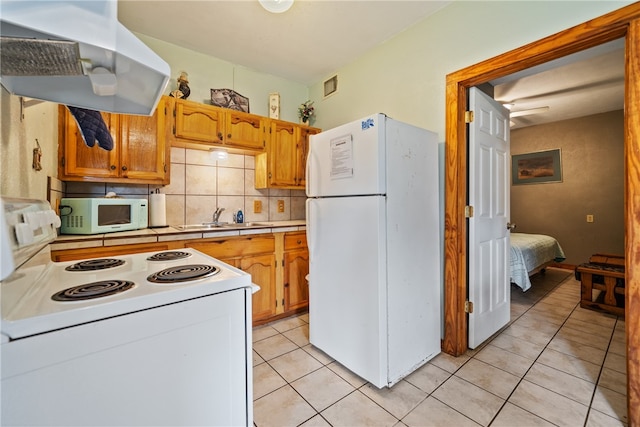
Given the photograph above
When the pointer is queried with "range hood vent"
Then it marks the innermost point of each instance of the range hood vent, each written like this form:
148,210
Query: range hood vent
77,53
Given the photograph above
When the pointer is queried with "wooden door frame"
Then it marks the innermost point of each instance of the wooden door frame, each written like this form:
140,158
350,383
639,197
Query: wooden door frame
624,22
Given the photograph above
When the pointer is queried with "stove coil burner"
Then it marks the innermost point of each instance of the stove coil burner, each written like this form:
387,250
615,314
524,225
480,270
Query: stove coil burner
183,273
169,256
93,290
95,264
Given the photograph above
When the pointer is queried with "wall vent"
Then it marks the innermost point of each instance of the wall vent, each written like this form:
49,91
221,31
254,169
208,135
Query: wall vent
331,86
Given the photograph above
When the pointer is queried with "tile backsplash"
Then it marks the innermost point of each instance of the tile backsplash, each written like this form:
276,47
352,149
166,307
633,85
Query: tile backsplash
200,183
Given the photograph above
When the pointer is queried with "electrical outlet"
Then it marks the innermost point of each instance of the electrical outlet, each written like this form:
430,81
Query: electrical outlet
280,206
589,218
257,206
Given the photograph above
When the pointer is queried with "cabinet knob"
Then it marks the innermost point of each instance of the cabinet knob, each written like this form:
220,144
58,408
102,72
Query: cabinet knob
299,241
220,136
228,135
113,167
124,168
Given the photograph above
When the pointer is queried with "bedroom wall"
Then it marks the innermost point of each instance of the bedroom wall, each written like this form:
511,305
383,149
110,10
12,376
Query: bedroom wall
592,156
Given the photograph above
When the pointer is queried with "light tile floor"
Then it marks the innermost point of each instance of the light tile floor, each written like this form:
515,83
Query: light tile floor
554,364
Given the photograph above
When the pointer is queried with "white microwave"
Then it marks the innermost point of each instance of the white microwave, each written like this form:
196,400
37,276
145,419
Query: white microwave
102,215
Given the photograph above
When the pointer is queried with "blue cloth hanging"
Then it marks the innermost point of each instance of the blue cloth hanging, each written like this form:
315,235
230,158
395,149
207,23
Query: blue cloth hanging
92,127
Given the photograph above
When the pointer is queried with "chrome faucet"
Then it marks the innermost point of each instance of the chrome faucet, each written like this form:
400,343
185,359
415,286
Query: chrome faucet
216,214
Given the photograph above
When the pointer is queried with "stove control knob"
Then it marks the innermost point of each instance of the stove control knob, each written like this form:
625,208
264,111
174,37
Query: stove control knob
53,219
24,234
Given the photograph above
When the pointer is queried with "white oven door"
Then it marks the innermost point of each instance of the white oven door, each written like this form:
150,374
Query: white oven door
180,364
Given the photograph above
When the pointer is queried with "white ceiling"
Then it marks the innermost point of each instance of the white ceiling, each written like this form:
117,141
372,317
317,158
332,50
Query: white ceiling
586,83
305,44
317,37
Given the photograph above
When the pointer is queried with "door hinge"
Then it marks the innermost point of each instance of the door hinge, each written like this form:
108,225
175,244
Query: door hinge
468,211
468,116
165,168
283,302
468,307
276,302
62,161
283,263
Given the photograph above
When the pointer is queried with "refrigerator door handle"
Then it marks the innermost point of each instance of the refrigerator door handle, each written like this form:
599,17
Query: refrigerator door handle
308,229
306,171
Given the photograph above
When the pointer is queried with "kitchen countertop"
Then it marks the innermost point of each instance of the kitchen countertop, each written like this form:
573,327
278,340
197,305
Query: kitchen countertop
163,234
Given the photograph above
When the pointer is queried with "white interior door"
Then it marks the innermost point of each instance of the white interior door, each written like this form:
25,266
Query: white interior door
489,248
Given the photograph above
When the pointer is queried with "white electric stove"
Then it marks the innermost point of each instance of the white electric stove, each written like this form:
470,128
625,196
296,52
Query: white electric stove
159,338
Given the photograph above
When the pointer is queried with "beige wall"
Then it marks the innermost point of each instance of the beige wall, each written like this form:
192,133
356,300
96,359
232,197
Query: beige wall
18,139
206,73
405,76
592,157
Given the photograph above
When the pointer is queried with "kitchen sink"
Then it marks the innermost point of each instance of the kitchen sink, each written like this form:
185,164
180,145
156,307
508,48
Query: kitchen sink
247,224
218,225
201,226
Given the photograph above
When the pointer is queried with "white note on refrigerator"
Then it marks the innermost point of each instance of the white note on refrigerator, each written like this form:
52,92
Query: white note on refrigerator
342,157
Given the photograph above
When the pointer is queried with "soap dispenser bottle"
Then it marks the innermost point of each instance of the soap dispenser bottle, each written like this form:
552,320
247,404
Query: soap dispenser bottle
239,217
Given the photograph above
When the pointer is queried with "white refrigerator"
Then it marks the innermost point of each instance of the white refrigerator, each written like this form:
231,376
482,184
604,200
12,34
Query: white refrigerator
374,252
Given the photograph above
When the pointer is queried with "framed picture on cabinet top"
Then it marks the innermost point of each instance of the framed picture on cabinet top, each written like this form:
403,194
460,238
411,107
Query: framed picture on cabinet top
228,98
274,105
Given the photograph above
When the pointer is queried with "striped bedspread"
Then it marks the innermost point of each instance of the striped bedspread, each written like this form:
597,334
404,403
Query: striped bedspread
529,251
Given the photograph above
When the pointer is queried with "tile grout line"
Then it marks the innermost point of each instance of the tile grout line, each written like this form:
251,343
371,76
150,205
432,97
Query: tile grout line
536,359
595,389
545,347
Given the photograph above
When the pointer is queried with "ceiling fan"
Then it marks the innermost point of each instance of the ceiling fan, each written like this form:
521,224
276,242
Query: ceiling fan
528,112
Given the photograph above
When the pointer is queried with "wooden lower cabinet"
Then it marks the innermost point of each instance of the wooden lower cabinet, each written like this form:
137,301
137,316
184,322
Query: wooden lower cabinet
254,255
296,268
277,262
263,273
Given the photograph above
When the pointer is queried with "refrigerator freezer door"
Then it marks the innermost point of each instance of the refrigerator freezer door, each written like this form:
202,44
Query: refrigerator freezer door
347,283
348,160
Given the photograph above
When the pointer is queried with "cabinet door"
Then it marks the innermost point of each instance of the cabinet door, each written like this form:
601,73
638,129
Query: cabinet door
283,154
302,151
79,160
145,153
296,290
244,130
263,273
198,122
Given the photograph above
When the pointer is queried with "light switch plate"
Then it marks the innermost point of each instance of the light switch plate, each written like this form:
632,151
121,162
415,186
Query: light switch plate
257,206
280,206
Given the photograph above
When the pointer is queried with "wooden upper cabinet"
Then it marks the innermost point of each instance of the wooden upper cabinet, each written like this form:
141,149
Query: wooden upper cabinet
142,158
284,163
205,126
77,161
283,154
245,130
198,122
303,150
140,154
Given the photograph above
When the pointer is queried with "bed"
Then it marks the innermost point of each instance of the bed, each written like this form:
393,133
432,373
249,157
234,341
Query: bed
531,253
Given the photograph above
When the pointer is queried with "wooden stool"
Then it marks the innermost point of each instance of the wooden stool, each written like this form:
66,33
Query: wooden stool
605,273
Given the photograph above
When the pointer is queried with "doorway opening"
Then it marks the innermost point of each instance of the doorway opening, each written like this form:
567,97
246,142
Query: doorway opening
623,23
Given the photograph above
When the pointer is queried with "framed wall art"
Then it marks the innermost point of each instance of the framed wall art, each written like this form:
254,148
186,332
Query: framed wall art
228,98
536,168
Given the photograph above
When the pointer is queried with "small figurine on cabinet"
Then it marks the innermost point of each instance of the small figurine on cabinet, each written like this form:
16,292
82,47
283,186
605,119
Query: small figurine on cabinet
183,90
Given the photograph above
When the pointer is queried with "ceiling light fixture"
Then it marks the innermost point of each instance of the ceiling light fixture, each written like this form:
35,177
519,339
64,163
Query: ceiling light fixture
276,6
